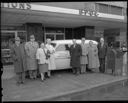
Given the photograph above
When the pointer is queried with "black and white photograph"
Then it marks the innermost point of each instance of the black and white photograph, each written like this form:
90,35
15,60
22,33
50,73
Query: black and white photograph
64,51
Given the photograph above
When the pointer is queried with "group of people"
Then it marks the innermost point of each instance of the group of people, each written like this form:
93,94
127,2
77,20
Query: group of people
34,58
30,56
88,56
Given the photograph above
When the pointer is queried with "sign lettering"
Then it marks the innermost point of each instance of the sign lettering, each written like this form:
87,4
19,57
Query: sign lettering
22,6
88,12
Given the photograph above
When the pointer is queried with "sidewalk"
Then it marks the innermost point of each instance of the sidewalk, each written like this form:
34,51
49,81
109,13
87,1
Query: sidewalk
61,83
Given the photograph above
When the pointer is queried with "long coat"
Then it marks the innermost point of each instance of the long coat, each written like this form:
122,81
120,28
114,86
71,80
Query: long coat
51,60
75,53
102,50
111,59
31,50
19,58
84,59
93,57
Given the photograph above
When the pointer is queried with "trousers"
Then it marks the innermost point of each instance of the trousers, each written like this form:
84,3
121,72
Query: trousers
102,65
20,77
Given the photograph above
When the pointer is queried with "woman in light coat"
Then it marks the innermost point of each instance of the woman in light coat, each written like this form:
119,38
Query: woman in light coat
93,56
51,62
42,60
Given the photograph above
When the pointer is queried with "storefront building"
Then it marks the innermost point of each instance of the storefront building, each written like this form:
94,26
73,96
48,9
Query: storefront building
62,20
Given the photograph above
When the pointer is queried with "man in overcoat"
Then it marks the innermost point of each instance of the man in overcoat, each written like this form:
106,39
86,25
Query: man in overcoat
31,49
75,52
102,51
19,59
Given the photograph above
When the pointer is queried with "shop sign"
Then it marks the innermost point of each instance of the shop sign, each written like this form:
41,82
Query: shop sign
88,12
22,6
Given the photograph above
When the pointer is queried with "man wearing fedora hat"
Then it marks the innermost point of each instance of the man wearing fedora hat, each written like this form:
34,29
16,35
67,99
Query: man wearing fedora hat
19,60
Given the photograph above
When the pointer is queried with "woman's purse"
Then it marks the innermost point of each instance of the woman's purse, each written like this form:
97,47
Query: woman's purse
47,54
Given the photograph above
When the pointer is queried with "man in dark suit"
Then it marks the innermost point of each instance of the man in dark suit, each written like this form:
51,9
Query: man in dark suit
75,52
102,51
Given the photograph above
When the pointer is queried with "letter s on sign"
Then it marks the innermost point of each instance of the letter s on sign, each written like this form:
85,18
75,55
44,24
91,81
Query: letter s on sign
28,5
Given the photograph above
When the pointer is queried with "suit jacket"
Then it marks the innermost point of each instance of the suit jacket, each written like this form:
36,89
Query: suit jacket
102,50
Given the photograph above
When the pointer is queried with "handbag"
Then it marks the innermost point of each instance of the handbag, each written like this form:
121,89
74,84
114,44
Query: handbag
47,55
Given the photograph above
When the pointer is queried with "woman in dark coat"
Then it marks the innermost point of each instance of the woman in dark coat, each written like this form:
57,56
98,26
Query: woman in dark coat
75,52
19,60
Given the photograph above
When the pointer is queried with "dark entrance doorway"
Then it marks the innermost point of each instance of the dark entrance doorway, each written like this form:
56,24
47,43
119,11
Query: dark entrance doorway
110,36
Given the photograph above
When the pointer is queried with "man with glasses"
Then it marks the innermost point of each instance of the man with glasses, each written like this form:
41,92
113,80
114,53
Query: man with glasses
31,49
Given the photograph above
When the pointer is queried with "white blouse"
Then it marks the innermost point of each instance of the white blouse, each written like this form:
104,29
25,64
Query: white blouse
40,55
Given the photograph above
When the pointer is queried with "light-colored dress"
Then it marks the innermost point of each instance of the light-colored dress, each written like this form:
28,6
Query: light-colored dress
84,59
51,61
43,62
31,49
93,57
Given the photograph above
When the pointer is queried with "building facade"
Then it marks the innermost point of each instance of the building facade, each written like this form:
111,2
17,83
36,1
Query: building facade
62,20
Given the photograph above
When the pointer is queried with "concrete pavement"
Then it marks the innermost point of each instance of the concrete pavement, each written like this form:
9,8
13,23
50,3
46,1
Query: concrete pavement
61,83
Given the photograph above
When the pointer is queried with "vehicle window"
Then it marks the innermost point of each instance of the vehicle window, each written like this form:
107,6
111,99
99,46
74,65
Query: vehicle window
67,46
61,47
53,44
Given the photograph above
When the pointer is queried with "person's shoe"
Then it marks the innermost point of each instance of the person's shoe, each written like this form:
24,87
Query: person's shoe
22,82
31,77
90,71
18,83
34,77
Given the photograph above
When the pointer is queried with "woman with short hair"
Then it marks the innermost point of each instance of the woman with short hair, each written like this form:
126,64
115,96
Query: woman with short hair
93,56
42,60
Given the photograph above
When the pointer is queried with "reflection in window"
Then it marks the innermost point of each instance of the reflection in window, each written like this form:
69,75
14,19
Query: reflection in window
67,47
116,10
61,48
53,44
103,8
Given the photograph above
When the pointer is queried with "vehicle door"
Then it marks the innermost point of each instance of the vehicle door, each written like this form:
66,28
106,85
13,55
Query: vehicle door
62,56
